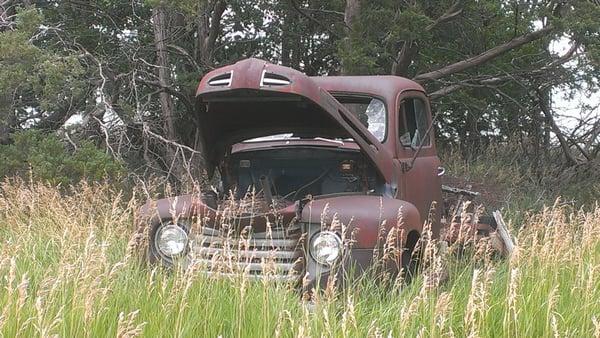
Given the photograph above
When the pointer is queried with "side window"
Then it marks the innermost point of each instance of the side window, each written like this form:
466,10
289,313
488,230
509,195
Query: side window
413,123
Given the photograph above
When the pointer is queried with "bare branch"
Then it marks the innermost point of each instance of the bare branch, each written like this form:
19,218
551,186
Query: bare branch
446,90
410,48
325,11
311,18
478,83
215,24
187,55
595,132
146,129
565,58
452,12
172,91
559,135
106,136
484,57
492,81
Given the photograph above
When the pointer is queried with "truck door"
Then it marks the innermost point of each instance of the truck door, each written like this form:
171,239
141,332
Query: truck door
421,184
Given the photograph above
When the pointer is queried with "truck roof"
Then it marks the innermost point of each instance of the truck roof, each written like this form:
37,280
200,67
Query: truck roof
385,86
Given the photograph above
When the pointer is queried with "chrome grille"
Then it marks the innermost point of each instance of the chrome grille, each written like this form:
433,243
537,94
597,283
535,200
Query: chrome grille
272,255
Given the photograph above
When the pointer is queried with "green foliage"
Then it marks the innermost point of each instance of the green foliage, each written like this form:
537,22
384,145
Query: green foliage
34,77
62,57
188,7
44,157
357,56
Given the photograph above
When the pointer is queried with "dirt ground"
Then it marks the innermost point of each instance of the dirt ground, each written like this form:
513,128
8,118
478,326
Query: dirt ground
490,194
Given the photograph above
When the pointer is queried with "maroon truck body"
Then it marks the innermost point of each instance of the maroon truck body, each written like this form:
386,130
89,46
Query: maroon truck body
327,173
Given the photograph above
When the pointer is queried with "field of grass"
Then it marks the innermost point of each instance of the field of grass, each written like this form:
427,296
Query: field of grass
65,270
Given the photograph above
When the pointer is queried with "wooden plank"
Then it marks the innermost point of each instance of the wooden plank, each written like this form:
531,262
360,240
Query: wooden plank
509,244
459,191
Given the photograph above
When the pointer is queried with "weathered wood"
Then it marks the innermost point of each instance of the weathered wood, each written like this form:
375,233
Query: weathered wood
509,245
459,191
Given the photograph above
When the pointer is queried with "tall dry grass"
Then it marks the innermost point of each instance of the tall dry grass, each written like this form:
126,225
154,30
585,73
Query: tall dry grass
65,271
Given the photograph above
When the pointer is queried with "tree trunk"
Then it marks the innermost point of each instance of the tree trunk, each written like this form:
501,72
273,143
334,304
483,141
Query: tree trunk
543,101
351,13
209,28
161,35
404,58
164,77
6,127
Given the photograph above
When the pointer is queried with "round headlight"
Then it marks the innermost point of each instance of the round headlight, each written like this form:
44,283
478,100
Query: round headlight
326,247
171,240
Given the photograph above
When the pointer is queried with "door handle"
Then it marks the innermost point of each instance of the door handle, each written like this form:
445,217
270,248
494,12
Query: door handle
441,171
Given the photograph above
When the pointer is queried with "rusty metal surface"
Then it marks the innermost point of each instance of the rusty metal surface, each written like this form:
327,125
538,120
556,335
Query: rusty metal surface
246,79
366,219
421,185
271,255
386,87
356,261
193,207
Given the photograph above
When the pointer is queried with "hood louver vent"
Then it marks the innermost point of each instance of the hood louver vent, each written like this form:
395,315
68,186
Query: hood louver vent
272,79
221,80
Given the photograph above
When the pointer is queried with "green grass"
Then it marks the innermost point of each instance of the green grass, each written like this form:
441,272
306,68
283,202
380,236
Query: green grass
65,270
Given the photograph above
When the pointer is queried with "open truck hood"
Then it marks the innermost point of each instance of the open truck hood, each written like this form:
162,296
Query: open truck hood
253,98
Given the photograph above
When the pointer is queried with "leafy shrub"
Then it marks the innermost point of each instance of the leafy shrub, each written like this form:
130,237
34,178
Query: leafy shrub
45,157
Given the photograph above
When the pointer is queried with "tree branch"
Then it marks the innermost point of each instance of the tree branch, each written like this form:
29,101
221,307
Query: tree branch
481,83
484,57
311,18
187,55
559,135
499,79
452,12
215,24
172,91
410,48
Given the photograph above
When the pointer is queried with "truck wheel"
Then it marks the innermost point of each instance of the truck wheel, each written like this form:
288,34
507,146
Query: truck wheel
410,257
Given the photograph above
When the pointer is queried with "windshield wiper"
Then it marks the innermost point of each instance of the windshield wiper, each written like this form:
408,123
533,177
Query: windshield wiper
330,140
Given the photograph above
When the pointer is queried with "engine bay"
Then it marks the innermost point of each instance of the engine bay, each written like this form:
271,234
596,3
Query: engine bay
293,173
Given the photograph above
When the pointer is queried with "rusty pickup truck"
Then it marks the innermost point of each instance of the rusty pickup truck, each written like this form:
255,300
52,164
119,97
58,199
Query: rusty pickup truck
316,174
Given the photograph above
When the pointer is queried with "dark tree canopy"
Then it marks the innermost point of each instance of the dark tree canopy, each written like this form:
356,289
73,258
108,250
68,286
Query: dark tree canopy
126,71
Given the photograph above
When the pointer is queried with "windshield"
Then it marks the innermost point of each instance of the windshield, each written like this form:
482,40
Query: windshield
369,110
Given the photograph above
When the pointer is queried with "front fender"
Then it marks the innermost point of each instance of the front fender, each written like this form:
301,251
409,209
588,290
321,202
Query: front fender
368,218
184,206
